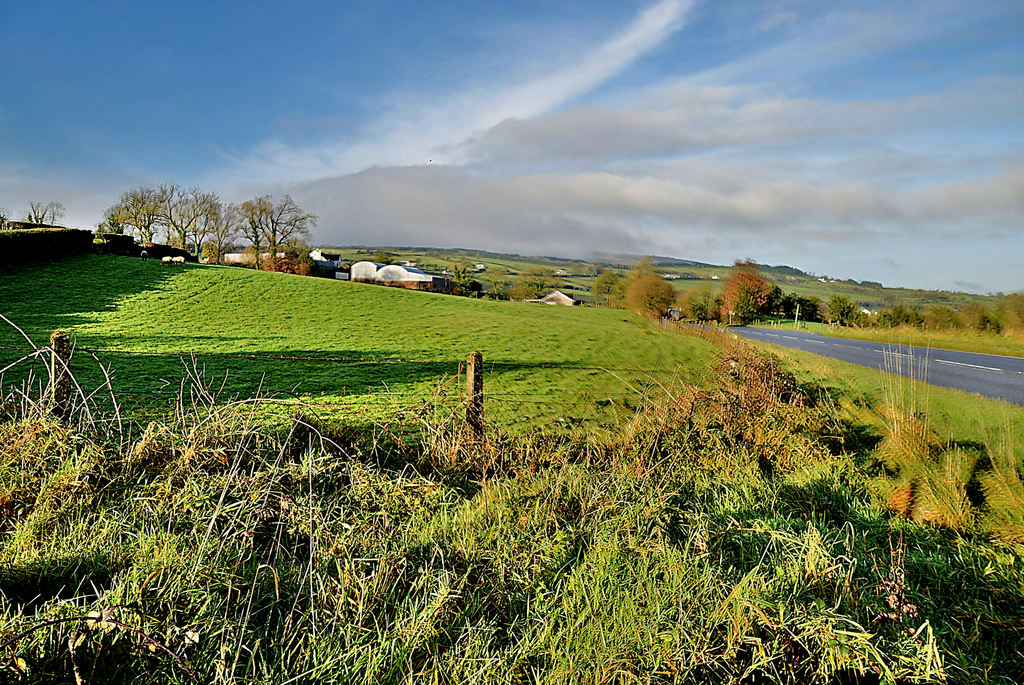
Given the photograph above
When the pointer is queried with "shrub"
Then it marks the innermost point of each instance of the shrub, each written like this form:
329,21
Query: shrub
941,318
289,264
43,243
978,317
650,295
119,243
157,251
900,315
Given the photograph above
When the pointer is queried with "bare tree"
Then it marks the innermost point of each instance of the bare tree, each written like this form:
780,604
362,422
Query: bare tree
49,213
5,216
139,210
209,208
274,225
181,211
289,223
221,227
253,215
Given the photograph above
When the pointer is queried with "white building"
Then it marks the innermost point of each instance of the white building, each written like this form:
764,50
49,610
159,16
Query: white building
396,275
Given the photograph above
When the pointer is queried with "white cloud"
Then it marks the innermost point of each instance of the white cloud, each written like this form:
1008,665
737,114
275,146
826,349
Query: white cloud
580,213
418,131
685,119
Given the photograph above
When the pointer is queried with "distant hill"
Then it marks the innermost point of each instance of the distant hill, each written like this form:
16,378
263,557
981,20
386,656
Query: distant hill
686,273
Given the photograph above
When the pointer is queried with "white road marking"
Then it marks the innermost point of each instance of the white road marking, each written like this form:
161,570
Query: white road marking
973,366
820,342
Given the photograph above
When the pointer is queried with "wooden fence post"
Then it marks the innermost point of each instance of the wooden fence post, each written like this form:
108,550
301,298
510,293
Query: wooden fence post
60,374
475,394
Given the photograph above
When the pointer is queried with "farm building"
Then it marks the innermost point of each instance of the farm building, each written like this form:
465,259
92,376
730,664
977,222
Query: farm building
556,297
398,276
319,255
247,257
326,264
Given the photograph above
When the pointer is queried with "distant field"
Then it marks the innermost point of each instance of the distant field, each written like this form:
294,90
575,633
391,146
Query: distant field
559,363
503,266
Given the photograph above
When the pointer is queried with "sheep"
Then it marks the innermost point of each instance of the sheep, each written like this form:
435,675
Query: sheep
166,260
178,260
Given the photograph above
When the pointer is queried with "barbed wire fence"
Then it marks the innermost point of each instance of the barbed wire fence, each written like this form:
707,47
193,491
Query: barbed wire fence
472,387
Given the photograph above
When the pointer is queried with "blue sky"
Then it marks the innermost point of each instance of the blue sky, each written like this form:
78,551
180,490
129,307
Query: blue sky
879,141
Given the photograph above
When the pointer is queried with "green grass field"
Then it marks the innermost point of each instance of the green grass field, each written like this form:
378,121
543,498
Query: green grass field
541,361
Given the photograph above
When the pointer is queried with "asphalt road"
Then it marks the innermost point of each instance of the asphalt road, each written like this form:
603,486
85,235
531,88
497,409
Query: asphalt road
989,375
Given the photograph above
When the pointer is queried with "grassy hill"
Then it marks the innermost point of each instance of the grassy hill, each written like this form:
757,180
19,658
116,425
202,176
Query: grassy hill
540,360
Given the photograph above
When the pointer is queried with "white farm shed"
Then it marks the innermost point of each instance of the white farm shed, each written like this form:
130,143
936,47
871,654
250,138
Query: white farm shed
393,273
396,275
364,271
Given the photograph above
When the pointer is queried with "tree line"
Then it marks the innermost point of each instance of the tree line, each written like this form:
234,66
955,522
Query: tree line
1007,313
746,296
199,221
45,213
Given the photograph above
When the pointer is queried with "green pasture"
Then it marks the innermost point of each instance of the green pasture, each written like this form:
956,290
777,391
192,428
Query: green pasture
953,415
558,363
792,324
1010,344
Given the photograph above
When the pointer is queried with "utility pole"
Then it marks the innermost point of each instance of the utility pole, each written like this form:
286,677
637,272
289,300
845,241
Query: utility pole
797,319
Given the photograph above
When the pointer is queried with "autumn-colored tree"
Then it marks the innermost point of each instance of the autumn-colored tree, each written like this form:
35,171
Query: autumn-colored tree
747,294
650,295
